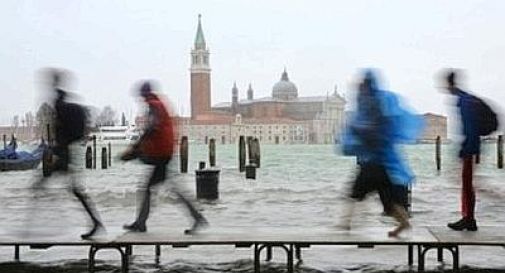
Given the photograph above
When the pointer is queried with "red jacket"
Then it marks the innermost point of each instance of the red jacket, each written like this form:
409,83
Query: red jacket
158,140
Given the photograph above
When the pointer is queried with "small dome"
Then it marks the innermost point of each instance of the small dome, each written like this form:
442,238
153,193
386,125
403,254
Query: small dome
284,89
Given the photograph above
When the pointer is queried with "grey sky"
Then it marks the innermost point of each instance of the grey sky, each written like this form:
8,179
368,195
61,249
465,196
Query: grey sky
109,45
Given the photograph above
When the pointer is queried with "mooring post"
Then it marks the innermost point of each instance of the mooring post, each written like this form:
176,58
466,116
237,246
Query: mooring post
250,153
438,157
49,140
89,158
212,152
258,152
47,160
110,154
241,154
183,154
104,158
409,200
5,141
499,147
94,151
201,165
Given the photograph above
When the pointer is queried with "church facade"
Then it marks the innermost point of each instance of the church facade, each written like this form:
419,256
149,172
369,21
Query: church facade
282,118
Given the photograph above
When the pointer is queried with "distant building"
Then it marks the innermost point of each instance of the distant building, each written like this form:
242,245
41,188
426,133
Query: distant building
22,133
435,125
282,118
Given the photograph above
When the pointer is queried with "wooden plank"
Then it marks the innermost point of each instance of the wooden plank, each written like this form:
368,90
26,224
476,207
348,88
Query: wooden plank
304,236
62,236
221,236
486,235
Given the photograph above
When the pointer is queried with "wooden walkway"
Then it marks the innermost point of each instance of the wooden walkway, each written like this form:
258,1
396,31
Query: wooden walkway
292,241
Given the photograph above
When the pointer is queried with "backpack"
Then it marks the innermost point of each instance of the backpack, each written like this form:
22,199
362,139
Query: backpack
73,120
486,118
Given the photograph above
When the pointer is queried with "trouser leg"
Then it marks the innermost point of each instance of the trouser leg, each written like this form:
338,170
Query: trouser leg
86,203
157,176
468,193
189,206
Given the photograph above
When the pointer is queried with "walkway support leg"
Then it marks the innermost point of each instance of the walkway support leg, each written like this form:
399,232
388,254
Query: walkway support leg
455,258
269,254
290,253
440,254
94,249
157,250
411,255
16,253
420,258
256,258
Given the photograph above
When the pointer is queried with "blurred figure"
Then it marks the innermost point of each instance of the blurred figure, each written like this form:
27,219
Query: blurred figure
477,119
156,147
377,126
70,127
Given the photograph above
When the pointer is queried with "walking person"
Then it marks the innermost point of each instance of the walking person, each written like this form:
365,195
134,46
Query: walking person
70,121
476,119
156,147
372,134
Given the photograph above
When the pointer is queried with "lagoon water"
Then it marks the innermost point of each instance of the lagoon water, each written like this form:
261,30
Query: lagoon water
297,186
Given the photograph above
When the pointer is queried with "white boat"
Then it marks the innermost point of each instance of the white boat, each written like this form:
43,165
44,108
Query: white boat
116,135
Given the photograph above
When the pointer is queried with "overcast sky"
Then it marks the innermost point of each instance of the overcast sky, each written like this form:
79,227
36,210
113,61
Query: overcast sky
109,45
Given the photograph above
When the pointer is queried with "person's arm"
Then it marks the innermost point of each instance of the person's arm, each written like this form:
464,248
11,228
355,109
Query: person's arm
470,145
152,123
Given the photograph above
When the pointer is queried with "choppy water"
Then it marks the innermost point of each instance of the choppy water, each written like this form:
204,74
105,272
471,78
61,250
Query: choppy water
297,186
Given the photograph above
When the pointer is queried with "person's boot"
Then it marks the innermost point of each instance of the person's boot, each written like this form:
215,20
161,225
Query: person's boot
97,228
464,224
135,227
400,214
199,223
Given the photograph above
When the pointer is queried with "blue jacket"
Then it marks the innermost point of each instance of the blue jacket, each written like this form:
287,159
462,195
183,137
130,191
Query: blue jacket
377,126
467,107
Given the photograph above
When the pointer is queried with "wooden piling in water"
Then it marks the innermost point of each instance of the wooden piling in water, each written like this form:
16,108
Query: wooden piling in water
5,141
47,160
49,140
257,153
183,154
250,154
201,165
438,157
212,152
104,158
94,151
499,147
110,154
241,154
89,158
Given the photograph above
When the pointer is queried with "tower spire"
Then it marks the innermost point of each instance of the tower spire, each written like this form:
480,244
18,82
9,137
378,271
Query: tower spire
250,92
199,38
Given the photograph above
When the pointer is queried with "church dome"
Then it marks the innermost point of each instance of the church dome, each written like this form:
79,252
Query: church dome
284,89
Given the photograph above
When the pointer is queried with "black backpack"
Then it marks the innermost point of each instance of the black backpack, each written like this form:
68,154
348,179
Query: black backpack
486,118
73,119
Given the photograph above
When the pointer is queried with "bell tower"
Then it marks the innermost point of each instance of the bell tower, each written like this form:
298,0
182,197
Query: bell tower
200,75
